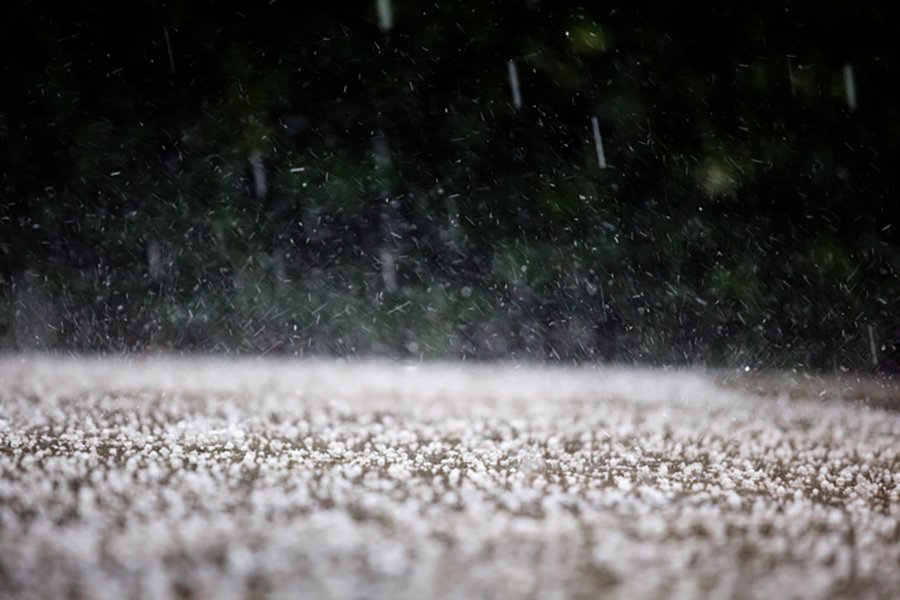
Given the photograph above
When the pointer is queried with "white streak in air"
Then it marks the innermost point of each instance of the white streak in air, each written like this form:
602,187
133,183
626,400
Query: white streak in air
850,87
169,50
389,271
385,15
873,348
154,260
598,143
381,154
791,75
259,174
514,84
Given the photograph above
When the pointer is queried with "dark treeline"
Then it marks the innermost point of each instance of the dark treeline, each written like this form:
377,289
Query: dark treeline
361,178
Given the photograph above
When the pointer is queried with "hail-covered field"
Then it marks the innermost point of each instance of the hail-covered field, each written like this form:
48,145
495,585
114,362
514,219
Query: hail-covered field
197,478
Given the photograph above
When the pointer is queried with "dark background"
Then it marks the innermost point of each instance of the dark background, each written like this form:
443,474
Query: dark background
290,177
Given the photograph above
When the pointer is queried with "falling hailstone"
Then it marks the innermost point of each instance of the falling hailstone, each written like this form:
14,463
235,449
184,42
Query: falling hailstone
381,153
169,50
598,143
154,260
385,15
514,85
790,69
873,347
259,174
389,271
850,87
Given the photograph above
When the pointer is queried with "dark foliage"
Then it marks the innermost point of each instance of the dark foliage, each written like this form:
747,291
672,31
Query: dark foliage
274,177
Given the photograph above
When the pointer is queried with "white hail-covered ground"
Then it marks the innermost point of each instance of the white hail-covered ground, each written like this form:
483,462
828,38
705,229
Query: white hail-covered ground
208,478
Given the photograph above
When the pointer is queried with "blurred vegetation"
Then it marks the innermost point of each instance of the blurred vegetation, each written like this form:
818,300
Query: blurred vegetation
271,177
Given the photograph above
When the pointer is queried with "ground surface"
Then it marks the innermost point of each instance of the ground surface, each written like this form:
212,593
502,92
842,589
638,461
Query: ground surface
204,478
